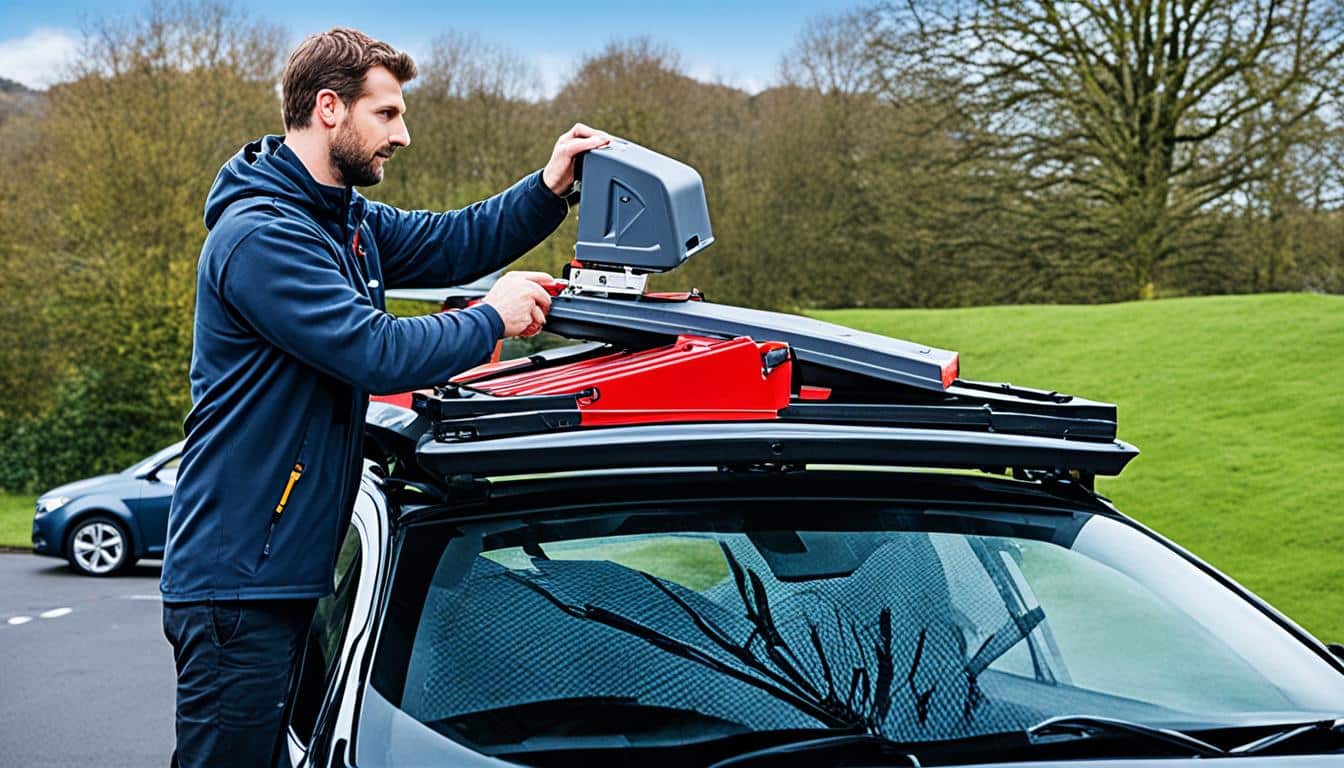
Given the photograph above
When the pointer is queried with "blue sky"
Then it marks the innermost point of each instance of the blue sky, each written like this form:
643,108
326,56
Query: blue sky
734,42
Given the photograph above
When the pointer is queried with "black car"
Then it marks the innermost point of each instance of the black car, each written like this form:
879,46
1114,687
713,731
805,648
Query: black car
606,555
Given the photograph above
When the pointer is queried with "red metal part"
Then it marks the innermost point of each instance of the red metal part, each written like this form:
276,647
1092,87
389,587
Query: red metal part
401,399
493,368
951,370
694,379
809,392
673,296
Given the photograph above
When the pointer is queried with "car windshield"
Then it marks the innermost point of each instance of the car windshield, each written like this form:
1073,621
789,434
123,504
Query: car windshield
158,457
664,627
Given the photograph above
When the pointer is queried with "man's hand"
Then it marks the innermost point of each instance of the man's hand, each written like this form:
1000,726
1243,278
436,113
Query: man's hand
558,176
522,302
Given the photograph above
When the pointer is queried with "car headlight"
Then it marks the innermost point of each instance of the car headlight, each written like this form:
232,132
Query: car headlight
51,504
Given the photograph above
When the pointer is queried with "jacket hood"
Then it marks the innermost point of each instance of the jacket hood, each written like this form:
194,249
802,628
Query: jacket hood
269,168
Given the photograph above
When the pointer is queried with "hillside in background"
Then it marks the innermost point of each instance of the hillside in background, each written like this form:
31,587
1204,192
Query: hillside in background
1234,402
17,98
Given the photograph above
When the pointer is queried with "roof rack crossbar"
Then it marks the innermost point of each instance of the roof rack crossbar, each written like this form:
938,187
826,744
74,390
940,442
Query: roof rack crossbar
753,443
983,417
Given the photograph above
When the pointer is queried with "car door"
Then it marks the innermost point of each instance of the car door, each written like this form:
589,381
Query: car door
340,630
156,495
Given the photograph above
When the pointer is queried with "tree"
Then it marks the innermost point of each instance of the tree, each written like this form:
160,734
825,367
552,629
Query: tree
475,122
110,224
1123,107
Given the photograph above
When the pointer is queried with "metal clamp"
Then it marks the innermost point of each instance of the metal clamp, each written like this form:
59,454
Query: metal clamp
625,283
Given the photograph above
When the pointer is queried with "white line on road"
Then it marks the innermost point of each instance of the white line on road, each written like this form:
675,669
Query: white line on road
55,613
17,620
140,597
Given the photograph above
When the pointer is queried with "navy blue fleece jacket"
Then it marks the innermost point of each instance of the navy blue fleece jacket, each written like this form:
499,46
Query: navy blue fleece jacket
291,337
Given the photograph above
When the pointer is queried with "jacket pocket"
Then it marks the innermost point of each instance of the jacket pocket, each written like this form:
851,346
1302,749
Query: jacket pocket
291,482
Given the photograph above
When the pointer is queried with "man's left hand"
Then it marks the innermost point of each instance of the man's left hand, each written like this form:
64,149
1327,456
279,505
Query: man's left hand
558,176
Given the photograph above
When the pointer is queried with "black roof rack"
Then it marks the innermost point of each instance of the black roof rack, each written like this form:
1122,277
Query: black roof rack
747,444
847,397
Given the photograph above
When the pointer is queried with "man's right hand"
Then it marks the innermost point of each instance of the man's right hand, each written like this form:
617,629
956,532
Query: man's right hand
522,302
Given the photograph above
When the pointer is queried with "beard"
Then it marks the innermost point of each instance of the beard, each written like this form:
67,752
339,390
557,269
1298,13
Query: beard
356,166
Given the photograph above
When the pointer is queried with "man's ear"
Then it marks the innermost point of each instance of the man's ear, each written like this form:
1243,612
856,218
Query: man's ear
328,108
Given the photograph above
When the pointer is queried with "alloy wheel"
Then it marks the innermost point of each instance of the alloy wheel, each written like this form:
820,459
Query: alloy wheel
98,547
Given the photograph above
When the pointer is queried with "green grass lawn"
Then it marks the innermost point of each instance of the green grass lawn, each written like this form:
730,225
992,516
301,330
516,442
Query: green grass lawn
16,520
1235,402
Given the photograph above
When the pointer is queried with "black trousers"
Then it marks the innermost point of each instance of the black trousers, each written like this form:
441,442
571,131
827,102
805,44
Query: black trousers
235,661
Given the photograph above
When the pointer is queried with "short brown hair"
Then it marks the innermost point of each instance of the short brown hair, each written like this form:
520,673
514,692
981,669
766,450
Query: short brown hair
338,59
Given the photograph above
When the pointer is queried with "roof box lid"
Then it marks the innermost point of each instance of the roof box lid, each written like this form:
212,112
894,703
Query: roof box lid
639,209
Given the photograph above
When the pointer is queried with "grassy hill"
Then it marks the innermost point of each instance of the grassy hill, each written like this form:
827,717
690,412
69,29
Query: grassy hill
1236,402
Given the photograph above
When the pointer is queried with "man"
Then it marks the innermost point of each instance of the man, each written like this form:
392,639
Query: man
291,337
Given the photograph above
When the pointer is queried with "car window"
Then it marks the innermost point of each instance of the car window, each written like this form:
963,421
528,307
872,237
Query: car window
323,647
153,459
924,626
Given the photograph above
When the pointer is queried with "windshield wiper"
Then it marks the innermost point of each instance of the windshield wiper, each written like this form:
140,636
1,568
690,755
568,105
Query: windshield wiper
580,720
867,747
1072,727
1290,733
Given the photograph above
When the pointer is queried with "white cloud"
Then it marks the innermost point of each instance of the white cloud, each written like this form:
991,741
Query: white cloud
38,59
706,72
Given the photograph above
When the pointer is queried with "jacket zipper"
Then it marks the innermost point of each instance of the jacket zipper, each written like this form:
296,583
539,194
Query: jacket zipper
357,253
294,476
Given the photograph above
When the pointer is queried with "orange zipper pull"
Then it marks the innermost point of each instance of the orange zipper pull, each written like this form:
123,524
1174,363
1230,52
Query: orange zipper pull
294,476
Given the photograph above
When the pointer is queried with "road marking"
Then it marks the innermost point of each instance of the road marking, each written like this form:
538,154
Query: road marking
15,621
140,597
55,613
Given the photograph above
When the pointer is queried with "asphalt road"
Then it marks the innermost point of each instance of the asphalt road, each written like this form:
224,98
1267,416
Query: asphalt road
86,677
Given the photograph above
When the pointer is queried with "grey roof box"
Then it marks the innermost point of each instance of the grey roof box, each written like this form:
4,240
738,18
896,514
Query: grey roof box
639,209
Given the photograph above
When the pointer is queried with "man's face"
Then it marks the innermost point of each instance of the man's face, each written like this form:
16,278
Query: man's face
371,130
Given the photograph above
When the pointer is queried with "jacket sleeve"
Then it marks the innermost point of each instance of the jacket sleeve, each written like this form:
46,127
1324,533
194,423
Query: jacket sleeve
422,249
285,283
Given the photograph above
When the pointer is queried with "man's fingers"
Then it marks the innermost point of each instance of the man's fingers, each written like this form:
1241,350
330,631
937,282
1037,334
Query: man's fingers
538,317
541,297
581,138
583,143
579,146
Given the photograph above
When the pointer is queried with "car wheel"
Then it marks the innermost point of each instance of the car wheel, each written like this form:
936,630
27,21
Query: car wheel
98,546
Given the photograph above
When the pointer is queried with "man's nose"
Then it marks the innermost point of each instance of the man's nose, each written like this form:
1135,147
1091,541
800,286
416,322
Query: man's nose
401,135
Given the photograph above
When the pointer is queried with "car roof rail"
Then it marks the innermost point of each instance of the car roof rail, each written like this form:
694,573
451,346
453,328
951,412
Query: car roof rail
770,444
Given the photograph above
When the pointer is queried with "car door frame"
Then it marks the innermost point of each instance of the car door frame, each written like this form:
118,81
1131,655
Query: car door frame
336,712
152,535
